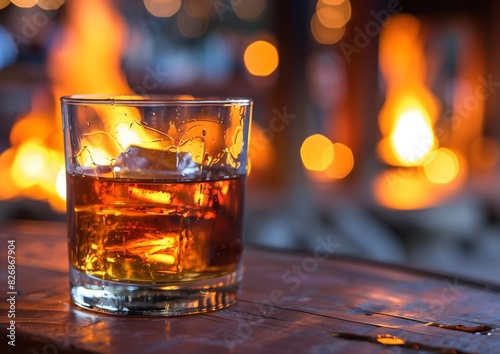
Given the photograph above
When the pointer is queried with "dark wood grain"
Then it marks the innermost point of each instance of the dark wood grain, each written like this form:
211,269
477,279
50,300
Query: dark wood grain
291,303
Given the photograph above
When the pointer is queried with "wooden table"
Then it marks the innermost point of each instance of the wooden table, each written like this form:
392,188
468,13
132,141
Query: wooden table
291,303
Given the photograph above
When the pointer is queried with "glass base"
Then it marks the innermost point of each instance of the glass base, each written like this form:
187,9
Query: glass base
153,299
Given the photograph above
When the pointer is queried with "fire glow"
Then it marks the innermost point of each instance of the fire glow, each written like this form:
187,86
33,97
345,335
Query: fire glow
424,172
84,59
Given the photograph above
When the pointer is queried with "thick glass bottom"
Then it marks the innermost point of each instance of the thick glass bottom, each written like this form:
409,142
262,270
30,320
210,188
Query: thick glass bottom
135,299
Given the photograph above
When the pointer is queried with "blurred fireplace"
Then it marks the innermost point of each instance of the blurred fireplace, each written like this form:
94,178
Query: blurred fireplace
455,45
432,118
422,101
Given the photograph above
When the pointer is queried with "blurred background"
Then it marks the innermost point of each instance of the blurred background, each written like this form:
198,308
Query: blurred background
375,122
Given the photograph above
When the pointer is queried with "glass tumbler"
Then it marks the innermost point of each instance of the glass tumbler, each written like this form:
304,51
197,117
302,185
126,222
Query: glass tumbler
155,201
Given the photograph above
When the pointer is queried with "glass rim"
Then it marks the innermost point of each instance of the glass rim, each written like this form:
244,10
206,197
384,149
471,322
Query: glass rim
156,99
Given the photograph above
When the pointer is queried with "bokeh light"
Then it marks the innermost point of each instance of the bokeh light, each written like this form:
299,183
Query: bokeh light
342,163
50,4
24,3
317,152
333,16
197,8
441,166
325,35
249,10
332,2
261,58
163,8
4,3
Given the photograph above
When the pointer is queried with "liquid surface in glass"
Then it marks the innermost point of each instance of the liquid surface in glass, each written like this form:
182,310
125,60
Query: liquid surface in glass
155,232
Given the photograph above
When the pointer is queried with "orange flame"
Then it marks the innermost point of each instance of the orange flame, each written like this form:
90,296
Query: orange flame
410,110
427,173
86,59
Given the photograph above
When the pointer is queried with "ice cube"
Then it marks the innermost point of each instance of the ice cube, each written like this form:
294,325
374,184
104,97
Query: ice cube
164,163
